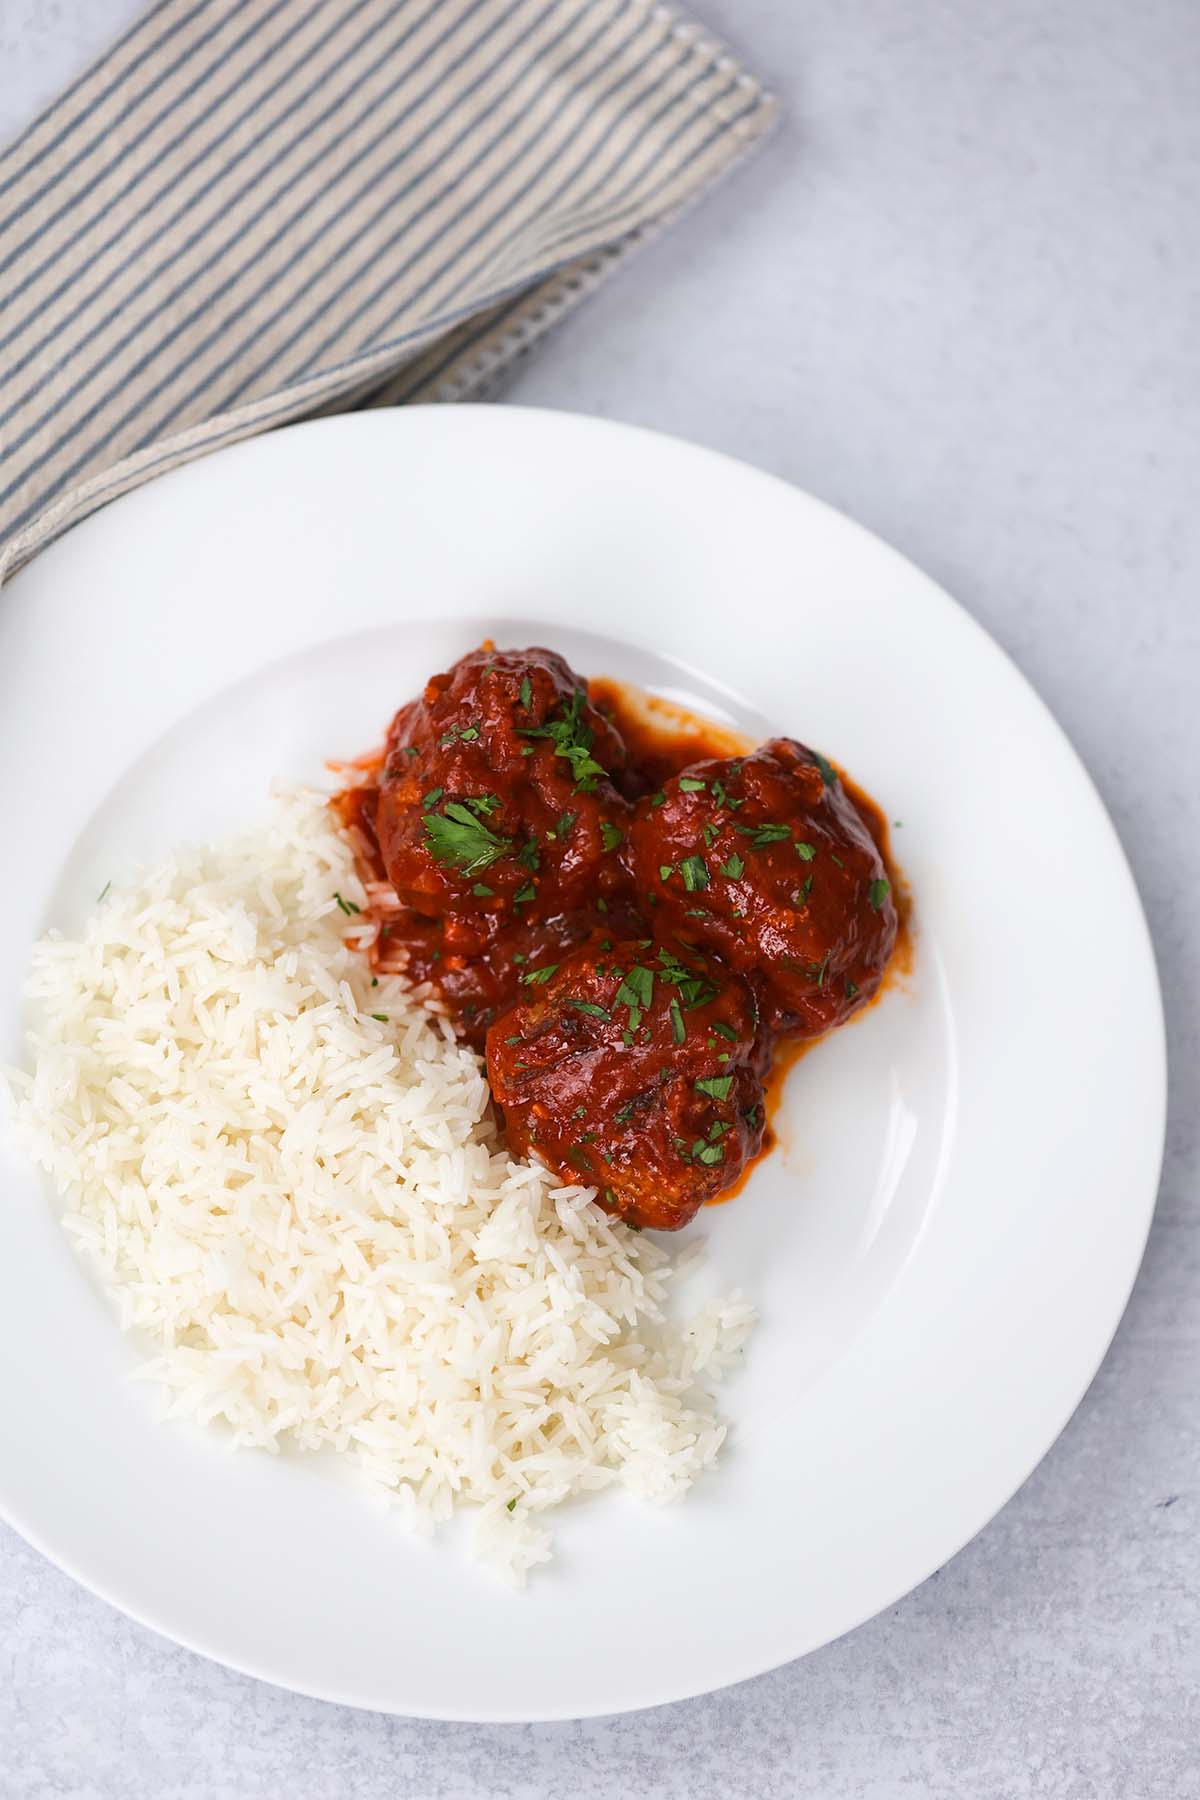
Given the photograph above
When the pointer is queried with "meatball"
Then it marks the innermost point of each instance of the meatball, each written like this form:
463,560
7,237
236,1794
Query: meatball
635,1068
766,861
496,803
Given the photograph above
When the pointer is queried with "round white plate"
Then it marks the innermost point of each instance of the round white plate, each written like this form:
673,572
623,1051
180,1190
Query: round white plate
943,1244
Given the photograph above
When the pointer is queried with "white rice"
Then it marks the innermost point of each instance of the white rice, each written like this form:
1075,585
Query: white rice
309,1212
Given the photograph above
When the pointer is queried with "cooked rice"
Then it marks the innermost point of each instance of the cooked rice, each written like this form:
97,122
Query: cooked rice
310,1213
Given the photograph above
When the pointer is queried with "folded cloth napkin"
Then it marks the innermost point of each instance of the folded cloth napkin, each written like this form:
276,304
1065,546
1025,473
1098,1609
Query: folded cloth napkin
251,211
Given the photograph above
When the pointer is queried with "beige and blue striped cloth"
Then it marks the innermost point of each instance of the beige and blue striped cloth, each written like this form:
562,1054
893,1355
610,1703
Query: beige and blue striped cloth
251,211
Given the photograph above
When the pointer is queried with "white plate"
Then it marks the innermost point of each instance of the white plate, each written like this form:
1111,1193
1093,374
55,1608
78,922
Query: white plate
942,1247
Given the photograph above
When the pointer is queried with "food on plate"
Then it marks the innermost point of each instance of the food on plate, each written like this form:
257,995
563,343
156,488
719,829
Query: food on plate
290,1175
258,1080
767,862
636,1067
626,922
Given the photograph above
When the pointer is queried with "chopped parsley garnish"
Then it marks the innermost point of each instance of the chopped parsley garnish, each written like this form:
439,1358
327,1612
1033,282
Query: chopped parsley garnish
565,822
725,1030
700,1152
828,772
528,892
525,693
761,835
694,870
689,784
529,855
483,804
347,906
665,871
411,750
715,1086
724,798
517,1039
433,796
510,1505
624,1116
374,981
589,1006
382,1017
518,956
602,904
535,977
851,988
800,894
678,1028
610,834
467,734
805,852
733,866
658,798
105,891
878,892
572,740
482,891
637,989
457,837
821,969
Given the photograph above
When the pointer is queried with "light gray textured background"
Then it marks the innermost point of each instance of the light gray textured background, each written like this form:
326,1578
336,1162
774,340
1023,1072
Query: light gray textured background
959,297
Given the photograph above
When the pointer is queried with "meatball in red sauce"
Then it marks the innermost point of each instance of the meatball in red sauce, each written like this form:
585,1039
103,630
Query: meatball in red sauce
496,801
623,918
634,1067
765,861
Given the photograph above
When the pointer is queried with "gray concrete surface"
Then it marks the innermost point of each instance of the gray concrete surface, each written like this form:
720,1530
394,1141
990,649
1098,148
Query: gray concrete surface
958,296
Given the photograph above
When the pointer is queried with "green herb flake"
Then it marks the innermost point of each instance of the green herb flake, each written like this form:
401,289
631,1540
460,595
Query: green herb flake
878,892
528,892
572,740
382,1017
347,906
105,891
457,837
724,798
665,871
678,1028
589,1006
483,804
411,750
511,1505
715,1086
762,835
610,834
374,981
694,870
835,858
481,890
690,784
658,798
733,866
800,894
805,852
637,989
516,1039
726,1031
433,796
525,693
851,988
537,977
829,774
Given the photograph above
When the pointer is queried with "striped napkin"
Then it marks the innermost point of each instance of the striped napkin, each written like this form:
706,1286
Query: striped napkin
252,211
